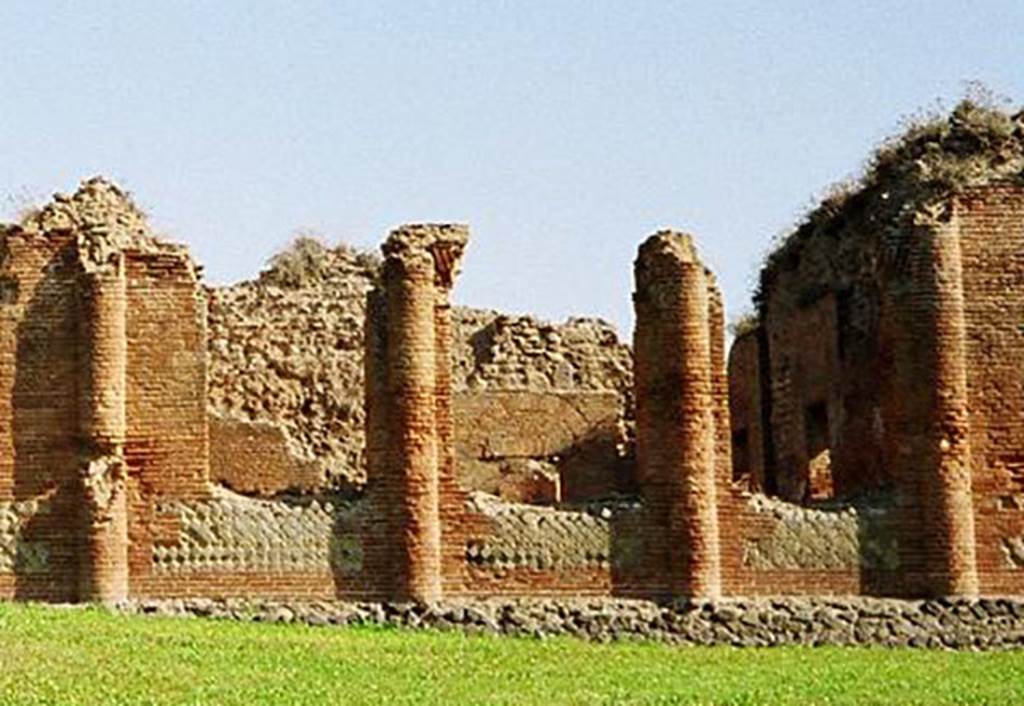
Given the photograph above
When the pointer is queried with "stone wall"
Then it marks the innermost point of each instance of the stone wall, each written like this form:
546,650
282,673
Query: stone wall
233,533
106,488
985,624
842,536
313,392
518,443
891,345
253,458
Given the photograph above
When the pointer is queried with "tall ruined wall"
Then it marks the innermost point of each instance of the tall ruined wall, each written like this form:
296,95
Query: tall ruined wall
287,352
104,390
38,416
819,311
991,227
822,290
892,341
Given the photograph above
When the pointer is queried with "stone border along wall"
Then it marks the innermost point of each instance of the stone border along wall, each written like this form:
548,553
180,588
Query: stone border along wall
966,624
546,539
231,532
828,536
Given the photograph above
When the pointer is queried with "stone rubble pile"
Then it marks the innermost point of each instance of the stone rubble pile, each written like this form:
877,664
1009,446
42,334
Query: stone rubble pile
291,353
964,624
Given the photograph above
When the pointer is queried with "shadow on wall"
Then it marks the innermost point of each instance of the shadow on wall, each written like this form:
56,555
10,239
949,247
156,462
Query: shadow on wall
601,464
44,410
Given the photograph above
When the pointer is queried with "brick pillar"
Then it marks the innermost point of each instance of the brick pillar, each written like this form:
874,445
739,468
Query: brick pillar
925,410
102,385
409,434
675,409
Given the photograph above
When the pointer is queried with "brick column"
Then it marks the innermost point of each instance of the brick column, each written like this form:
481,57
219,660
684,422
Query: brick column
102,385
409,402
675,408
925,410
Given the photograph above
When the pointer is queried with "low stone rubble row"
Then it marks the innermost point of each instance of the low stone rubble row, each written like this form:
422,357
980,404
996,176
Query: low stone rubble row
962,624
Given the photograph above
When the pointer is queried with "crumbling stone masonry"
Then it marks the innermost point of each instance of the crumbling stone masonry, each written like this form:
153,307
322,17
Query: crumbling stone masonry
676,409
285,370
408,371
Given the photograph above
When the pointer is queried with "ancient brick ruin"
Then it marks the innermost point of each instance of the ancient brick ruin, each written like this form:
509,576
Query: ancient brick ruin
885,360
337,429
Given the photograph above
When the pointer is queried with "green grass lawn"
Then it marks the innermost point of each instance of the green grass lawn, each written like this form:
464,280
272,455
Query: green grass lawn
59,656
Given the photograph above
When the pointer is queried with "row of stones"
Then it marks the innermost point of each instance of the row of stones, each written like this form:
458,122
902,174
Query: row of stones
975,624
841,537
17,553
232,532
543,537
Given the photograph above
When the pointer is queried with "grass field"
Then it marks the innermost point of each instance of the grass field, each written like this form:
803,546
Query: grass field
61,656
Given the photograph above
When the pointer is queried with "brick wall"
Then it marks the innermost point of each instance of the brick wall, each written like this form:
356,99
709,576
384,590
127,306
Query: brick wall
254,458
39,416
575,438
991,225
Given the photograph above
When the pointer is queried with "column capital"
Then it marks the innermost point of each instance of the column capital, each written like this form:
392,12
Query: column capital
439,245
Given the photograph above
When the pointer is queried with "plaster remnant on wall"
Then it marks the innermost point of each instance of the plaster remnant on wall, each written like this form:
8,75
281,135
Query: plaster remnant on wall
839,536
545,538
103,478
234,533
17,554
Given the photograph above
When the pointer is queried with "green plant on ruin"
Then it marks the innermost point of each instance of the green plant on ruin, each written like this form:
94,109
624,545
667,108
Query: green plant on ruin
302,262
745,323
308,260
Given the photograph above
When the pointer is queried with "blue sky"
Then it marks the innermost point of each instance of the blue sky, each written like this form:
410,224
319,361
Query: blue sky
562,132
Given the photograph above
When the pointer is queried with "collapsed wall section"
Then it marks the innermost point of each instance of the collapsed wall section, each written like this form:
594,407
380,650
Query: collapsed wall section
313,393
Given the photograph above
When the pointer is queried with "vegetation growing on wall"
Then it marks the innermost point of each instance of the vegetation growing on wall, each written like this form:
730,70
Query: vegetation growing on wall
935,156
308,260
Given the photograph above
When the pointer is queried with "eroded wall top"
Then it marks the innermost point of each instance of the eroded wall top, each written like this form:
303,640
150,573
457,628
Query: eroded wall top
286,348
